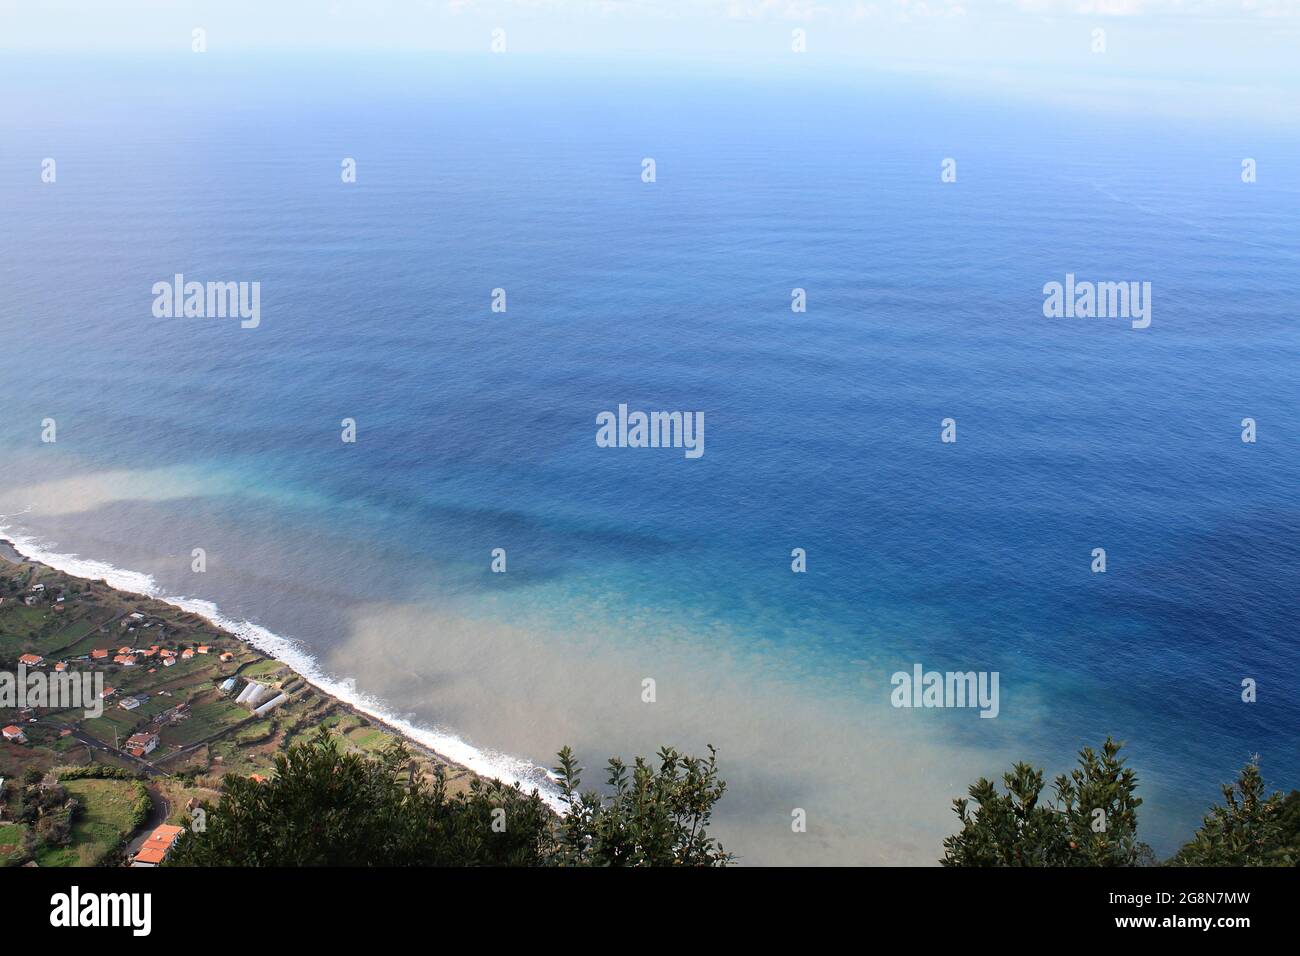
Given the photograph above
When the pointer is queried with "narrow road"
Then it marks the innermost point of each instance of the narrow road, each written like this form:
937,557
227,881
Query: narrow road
162,809
102,747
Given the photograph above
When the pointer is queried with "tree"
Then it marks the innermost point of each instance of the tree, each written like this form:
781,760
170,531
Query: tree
650,817
325,808
1009,829
1289,820
1100,809
1251,828
1091,822
55,827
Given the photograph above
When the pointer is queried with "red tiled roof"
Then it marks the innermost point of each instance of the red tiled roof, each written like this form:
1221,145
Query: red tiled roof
159,842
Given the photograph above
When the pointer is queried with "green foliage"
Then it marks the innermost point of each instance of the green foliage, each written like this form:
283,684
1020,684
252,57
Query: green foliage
649,818
1251,828
98,771
1289,821
1091,822
54,826
141,807
1100,783
327,808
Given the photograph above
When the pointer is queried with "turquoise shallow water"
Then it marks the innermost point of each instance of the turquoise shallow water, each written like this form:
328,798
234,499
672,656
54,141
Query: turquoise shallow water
476,430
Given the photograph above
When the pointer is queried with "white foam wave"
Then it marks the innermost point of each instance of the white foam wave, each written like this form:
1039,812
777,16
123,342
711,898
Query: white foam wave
488,763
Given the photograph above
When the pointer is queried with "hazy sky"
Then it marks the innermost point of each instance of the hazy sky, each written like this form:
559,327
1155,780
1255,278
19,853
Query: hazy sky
1204,54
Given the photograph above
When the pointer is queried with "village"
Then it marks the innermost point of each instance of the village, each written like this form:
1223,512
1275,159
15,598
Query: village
184,705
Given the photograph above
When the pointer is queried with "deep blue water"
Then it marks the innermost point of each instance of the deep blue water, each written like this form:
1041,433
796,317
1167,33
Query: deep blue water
822,429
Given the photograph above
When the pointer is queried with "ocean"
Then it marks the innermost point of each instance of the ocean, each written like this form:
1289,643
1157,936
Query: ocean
369,563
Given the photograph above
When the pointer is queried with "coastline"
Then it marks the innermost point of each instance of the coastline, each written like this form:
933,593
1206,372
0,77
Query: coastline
435,745
766,727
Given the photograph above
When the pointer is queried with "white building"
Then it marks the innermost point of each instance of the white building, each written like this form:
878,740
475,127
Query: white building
141,744
270,705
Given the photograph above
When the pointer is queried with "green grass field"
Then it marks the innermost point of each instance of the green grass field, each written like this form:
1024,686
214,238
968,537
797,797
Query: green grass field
19,627
254,732
205,719
368,738
101,728
263,668
81,637
11,838
104,820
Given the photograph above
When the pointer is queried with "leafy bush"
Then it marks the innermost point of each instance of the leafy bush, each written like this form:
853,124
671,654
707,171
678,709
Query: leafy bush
650,818
1252,828
1091,822
98,772
326,808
